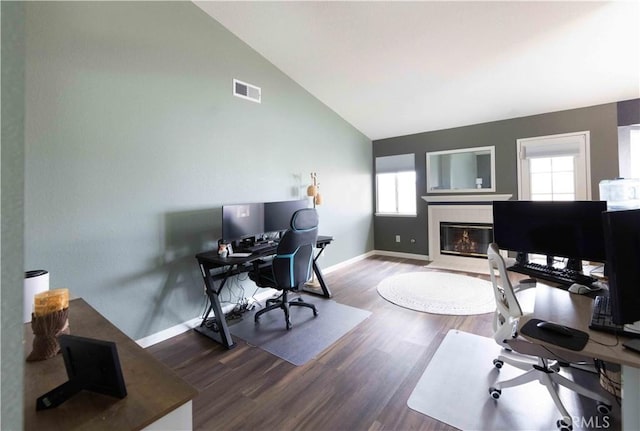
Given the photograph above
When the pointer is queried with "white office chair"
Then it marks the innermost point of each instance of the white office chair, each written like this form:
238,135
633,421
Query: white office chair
538,362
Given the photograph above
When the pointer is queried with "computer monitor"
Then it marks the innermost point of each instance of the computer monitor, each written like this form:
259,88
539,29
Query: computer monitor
241,221
92,365
277,215
622,241
569,229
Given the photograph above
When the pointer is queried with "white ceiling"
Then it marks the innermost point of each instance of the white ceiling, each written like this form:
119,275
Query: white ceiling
396,68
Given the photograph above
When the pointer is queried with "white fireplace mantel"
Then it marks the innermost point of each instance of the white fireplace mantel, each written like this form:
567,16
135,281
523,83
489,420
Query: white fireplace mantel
468,198
473,213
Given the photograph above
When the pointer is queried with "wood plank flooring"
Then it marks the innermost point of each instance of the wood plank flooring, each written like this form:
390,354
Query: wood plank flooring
362,382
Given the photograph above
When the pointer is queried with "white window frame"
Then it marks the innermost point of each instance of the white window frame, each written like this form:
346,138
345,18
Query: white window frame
397,212
394,165
582,172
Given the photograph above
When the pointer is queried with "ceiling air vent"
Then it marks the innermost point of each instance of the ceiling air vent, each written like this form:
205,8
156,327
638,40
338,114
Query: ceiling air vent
247,91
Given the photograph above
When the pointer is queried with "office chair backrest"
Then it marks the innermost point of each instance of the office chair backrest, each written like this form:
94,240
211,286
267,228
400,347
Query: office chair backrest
507,306
294,256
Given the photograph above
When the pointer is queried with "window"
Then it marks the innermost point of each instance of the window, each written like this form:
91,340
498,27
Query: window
634,159
552,179
396,185
554,168
629,151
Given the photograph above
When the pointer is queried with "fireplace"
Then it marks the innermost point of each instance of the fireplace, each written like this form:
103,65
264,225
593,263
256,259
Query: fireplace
460,210
465,239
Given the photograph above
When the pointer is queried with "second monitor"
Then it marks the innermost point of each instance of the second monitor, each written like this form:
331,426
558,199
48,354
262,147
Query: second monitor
248,222
277,215
569,229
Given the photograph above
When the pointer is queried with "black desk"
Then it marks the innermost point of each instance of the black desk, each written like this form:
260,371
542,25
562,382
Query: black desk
209,261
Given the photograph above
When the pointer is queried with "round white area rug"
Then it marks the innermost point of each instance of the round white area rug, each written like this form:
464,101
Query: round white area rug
439,293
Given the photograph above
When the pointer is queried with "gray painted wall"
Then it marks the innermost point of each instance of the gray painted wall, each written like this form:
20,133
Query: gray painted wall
600,120
11,203
134,142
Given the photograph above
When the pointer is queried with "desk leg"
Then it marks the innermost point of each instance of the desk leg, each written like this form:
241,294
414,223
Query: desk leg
316,269
222,336
630,398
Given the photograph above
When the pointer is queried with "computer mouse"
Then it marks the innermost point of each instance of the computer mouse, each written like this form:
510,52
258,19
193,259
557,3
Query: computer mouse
580,289
554,327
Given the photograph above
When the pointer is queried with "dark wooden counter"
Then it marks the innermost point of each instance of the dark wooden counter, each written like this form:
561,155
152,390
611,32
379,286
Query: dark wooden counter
154,390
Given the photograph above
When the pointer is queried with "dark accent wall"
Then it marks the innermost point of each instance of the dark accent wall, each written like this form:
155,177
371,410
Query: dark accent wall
629,112
601,121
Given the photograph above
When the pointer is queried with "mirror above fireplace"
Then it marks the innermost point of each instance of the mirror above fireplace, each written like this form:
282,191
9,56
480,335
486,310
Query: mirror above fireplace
468,170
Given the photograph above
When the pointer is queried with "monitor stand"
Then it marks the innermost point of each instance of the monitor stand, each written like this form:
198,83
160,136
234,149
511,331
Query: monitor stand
574,265
522,258
550,261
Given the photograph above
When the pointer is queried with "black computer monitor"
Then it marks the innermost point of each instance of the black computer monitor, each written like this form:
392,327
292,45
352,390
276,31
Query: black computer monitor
277,215
92,365
241,221
569,229
622,241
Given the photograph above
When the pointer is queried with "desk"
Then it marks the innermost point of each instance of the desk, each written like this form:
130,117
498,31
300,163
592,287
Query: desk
210,261
574,311
156,397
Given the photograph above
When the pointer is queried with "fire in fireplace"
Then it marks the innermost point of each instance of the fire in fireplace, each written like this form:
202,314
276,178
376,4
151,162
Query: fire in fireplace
465,239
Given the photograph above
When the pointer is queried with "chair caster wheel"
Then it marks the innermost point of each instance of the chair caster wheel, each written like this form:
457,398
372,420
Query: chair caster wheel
603,408
315,313
494,392
498,363
563,425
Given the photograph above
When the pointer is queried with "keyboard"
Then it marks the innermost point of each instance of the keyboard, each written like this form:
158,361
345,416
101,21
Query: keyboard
240,255
256,248
601,319
557,275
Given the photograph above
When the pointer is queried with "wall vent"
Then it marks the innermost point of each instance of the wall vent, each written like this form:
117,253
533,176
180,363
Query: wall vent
247,91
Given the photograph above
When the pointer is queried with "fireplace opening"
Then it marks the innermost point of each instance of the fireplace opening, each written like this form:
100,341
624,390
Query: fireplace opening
465,239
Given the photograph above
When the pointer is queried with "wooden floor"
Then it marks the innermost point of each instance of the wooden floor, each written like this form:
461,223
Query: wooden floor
362,382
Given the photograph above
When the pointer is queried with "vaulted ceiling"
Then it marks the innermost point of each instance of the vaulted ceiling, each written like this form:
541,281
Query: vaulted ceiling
393,68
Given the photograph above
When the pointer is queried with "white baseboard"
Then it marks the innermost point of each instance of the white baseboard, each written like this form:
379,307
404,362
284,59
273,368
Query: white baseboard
192,323
168,333
348,262
400,254
262,295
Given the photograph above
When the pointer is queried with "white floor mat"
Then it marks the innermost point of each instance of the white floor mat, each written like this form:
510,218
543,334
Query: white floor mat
454,390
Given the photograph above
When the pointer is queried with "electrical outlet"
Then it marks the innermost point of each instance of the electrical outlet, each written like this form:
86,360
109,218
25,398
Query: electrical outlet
397,238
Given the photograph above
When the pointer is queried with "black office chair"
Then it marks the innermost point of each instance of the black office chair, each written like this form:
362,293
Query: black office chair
292,265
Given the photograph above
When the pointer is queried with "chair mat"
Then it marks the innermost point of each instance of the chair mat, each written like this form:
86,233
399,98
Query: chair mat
309,335
454,389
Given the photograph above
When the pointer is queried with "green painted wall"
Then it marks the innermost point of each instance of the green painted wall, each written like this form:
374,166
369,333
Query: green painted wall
134,142
11,203
600,120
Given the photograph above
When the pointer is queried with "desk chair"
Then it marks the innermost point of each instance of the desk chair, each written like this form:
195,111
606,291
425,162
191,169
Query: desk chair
292,265
537,361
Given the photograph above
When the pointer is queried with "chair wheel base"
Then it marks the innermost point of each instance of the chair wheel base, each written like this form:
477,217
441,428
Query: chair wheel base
603,409
494,392
563,425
